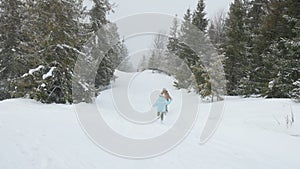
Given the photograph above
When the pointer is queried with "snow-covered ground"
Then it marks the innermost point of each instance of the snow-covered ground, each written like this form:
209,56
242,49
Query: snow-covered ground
252,134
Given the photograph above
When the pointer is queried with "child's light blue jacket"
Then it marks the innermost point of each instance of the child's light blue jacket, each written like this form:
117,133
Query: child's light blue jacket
161,103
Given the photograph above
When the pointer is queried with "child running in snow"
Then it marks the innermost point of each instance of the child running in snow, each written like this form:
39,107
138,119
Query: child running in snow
161,104
167,96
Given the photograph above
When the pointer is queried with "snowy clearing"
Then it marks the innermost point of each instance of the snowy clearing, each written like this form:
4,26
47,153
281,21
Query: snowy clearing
253,133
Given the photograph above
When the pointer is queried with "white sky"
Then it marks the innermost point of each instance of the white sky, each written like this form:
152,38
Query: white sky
139,45
171,7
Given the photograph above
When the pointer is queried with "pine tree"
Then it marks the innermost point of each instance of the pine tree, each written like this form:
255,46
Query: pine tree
200,61
186,54
212,33
172,45
46,37
111,60
191,48
58,22
98,13
186,38
282,56
125,64
153,62
216,31
104,42
52,30
293,47
176,66
253,82
123,50
199,15
183,77
12,38
157,59
173,62
143,64
235,50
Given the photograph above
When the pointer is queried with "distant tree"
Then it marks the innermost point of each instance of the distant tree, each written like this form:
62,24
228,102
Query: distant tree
216,30
187,56
158,51
195,56
193,36
196,35
199,17
123,50
143,64
172,60
153,61
172,44
126,66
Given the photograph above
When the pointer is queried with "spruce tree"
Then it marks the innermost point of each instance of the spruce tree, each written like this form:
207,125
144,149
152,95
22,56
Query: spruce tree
40,42
173,61
216,31
53,49
235,47
192,49
12,41
153,62
199,15
186,38
198,36
282,56
143,64
158,52
125,64
175,65
104,42
253,82
172,45
111,60
186,54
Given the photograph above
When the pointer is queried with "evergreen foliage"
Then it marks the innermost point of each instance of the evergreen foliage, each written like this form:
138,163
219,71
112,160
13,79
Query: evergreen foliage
192,46
262,48
12,40
40,42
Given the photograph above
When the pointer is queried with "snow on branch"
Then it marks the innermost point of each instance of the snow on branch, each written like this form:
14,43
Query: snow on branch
31,71
84,86
2,69
69,47
49,74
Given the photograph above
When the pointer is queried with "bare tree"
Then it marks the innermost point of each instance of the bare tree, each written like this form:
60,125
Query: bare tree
159,43
217,28
159,47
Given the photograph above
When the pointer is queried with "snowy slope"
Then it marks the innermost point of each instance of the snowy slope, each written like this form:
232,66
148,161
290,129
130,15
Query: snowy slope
252,134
